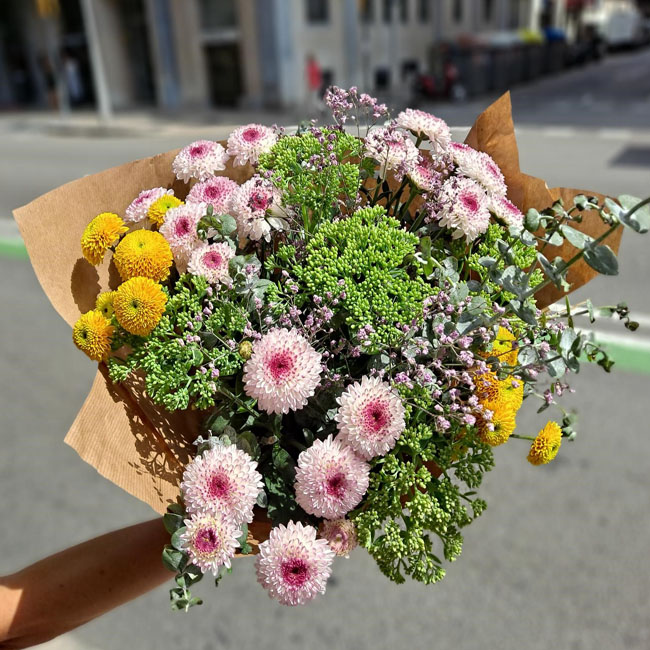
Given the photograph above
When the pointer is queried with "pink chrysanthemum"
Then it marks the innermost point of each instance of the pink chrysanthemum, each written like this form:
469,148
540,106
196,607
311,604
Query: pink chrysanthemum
137,210
216,191
246,143
370,418
480,167
179,229
224,480
421,123
425,175
507,211
330,479
340,534
210,541
293,566
283,371
199,160
392,149
465,208
211,262
250,205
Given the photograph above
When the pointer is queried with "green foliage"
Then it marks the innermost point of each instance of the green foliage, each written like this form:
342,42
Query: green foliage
295,163
407,505
368,251
177,372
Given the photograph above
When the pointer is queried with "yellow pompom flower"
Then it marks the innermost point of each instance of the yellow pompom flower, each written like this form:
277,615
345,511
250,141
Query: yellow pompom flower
139,305
104,304
92,335
511,390
503,422
103,231
145,254
546,445
503,349
158,209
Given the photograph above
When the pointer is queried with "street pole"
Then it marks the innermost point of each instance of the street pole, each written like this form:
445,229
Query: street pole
100,82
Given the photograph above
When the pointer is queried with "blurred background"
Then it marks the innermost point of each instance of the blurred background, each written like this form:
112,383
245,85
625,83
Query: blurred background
559,559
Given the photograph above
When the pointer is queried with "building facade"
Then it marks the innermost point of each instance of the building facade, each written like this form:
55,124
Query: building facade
183,54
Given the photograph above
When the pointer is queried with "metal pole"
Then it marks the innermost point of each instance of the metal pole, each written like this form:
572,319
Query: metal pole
100,82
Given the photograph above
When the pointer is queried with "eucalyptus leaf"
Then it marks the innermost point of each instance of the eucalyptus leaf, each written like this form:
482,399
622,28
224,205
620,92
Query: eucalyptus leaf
602,259
532,220
575,237
638,220
173,559
176,541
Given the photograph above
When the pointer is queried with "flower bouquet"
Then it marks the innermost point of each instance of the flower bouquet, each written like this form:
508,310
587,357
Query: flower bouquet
311,341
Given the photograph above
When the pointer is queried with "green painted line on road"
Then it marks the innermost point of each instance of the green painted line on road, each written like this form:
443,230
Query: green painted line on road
13,247
628,352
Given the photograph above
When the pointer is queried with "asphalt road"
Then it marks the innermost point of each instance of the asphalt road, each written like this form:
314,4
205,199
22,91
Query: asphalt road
559,559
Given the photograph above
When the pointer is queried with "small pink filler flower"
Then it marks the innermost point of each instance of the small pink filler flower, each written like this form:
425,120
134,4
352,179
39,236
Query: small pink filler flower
283,371
199,160
210,541
246,143
340,534
330,479
370,418
224,480
292,565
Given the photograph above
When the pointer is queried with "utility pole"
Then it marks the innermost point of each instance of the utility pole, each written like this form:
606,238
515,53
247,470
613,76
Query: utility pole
100,82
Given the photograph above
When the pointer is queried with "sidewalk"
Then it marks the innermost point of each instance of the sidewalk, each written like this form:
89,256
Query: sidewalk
141,123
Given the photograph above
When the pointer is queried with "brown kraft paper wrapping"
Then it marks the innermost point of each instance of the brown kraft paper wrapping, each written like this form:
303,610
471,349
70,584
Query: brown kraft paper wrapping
132,442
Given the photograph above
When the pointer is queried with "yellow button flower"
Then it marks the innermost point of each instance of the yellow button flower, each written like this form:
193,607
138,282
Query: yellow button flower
546,445
103,231
104,304
158,209
139,305
143,253
92,334
503,422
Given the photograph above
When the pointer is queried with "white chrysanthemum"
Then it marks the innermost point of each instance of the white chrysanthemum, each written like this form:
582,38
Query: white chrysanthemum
424,175
423,124
330,479
293,566
465,208
507,211
199,160
210,541
340,534
392,149
251,203
283,371
480,167
211,262
370,418
246,143
137,210
223,480
179,229
216,191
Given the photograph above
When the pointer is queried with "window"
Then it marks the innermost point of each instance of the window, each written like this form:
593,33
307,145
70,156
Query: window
404,10
217,14
387,10
457,11
317,11
423,11
367,11
488,10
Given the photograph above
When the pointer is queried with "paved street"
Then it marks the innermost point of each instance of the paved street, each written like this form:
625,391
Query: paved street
559,559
